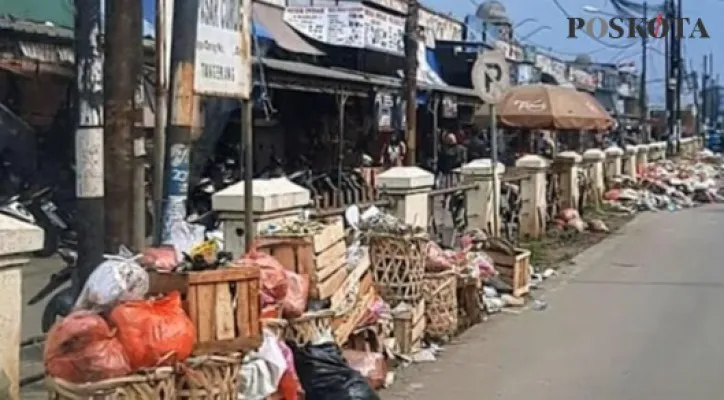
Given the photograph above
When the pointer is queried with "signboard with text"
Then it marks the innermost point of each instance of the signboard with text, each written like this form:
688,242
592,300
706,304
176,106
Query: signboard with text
223,49
351,26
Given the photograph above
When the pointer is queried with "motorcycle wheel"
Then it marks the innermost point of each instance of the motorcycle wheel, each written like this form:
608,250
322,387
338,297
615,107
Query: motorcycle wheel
50,244
58,307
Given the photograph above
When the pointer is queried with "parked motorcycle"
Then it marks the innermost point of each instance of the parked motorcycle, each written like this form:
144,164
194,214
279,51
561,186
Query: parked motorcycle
61,304
56,223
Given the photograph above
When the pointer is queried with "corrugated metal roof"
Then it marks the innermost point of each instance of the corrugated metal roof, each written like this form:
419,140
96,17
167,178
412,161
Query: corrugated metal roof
57,12
36,28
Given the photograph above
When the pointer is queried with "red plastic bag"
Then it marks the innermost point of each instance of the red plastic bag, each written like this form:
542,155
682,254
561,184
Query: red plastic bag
372,366
161,258
274,282
154,332
290,387
82,348
295,302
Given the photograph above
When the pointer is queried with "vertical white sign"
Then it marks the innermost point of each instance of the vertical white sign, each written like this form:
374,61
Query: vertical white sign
223,49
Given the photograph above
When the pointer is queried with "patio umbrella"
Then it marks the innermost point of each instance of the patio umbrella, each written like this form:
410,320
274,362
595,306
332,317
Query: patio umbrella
543,106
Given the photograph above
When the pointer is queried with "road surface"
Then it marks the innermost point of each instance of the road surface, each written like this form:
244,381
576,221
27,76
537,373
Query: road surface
640,316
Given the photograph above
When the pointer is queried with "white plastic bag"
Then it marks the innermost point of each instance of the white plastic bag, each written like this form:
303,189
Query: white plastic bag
117,279
263,370
184,236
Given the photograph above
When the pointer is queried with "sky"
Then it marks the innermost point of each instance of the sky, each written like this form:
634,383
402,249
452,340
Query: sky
546,13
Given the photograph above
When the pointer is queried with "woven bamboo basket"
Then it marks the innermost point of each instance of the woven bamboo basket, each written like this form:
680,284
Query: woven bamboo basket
209,377
441,311
310,327
398,264
157,384
277,326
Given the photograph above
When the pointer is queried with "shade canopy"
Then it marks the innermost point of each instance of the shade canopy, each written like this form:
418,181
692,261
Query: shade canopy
542,106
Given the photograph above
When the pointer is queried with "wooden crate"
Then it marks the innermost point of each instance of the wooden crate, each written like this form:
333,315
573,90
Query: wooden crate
409,328
469,312
223,304
353,285
513,269
322,257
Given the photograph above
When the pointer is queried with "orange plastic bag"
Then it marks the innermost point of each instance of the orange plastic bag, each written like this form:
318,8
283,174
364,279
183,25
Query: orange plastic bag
154,332
82,348
295,302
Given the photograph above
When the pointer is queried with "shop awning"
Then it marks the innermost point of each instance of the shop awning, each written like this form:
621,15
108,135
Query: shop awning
271,19
301,76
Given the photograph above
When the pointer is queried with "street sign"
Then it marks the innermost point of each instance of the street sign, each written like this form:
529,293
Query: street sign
223,49
490,76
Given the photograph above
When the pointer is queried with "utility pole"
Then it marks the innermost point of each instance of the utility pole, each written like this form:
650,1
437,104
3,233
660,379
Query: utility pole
704,100
89,139
160,115
122,68
410,84
668,56
642,93
679,77
181,115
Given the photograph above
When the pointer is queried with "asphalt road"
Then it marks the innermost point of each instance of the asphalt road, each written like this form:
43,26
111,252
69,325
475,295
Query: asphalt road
639,316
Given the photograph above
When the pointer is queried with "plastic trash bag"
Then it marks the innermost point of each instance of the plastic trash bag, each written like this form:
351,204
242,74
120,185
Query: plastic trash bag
289,386
154,332
326,376
372,366
295,302
117,279
262,371
161,258
82,348
184,236
274,282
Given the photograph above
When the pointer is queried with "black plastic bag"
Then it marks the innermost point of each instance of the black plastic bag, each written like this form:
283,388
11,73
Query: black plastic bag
326,376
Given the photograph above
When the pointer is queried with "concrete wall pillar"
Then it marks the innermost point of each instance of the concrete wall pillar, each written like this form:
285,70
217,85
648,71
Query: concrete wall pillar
275,201
408,188
593,161
629,161
533,196
481,210
613,167
17,241
569,162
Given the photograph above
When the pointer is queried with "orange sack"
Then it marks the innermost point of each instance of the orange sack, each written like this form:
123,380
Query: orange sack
82,348
274,283
154,332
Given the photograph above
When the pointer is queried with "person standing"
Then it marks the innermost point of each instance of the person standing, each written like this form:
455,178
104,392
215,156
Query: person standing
393,155
452,155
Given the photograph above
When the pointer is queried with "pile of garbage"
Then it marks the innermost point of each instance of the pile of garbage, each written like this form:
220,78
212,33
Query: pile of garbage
668,185
115,331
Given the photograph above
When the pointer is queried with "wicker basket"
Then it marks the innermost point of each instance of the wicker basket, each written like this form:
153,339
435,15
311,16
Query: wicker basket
441,304
277,326
157,384
398,263
310,327
209,377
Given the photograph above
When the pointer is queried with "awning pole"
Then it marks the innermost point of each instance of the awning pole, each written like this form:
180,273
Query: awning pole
341,102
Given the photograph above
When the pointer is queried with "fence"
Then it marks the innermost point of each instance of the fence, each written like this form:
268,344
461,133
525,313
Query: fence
511,202
447,208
